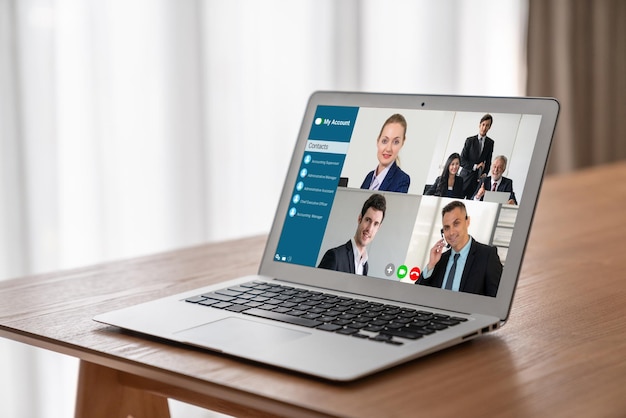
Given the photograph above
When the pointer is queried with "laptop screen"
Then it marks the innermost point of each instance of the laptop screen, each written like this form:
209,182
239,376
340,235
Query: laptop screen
417,161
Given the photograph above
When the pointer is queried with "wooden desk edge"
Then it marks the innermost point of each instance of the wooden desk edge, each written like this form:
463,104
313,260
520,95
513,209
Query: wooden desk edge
131,374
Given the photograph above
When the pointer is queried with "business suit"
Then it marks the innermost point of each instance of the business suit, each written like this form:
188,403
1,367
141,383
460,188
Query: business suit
472,155
481,274
506,185
456,192
396,180
341,258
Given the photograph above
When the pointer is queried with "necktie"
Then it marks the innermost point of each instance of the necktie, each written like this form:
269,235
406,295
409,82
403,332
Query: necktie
493,187
452,271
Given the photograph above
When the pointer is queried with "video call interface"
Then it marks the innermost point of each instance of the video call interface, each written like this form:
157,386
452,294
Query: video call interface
378,179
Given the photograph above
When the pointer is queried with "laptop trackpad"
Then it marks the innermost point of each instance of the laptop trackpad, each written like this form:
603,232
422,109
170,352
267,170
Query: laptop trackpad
233,335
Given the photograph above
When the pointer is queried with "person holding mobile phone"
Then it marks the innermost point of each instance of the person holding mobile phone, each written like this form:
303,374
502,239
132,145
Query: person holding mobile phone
468,266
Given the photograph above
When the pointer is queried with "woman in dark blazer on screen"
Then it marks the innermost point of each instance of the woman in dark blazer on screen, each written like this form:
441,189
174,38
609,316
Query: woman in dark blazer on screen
448,184
388,176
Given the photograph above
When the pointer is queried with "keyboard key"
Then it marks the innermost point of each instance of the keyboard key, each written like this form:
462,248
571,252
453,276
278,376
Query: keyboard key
237,308
195,299
448,322
274,302
217,296
347,331
208,302
239,301
401,333
421,331
296,312
317,310
248,285
296,320
381,337
373,328
239,289
269,294
227,292
221,305
329,327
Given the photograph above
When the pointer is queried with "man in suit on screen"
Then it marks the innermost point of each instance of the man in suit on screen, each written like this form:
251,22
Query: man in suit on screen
351,257
476,156
468,266
496,182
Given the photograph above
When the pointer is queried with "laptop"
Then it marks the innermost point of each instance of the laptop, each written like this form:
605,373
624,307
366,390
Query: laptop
310,311
497,197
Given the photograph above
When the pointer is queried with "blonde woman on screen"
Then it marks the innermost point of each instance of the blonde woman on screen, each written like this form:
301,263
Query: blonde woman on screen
388,176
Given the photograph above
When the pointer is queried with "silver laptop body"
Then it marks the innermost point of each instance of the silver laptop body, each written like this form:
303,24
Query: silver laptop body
338,142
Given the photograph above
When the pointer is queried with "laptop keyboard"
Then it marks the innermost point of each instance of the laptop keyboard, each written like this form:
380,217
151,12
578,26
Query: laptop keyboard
342,315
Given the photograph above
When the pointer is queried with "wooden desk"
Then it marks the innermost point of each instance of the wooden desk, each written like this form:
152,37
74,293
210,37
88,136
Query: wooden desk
563,352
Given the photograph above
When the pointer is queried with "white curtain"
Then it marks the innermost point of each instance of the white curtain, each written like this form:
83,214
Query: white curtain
134,126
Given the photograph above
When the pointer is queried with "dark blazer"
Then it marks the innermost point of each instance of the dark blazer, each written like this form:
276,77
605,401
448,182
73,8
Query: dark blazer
471,155
481,274
396,180
456,192
506,185
340,259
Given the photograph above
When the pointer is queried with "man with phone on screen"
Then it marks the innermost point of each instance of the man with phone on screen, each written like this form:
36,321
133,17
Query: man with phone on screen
468,266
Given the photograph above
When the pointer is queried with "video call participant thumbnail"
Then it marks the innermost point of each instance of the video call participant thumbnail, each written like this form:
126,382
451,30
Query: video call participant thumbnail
388,176
469,266
351,257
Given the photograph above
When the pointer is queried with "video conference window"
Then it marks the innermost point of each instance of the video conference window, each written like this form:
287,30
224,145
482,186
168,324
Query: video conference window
416,196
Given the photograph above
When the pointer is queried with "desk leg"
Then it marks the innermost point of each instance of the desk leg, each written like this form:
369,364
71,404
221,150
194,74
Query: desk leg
100,394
